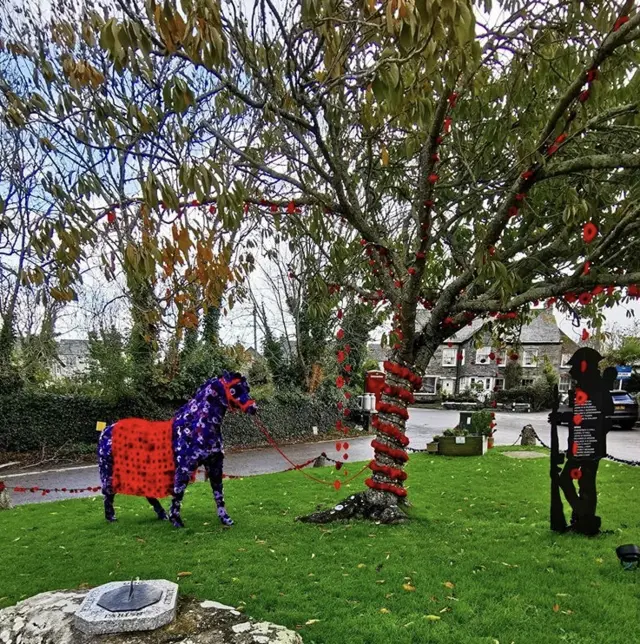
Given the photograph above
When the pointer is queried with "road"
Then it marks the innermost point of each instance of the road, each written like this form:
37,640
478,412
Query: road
423,424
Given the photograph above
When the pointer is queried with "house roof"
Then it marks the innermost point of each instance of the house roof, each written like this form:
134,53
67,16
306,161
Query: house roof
543,329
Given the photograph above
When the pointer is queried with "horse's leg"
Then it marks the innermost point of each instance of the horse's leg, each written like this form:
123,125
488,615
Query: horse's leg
105,467
213,465
180,481
157,506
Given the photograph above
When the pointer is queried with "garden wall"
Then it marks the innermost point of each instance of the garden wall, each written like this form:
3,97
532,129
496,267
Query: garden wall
29,421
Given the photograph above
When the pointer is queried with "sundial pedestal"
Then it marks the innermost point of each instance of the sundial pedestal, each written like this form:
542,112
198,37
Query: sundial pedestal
122,606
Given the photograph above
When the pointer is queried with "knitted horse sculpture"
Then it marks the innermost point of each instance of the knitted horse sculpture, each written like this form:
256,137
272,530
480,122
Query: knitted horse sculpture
158,459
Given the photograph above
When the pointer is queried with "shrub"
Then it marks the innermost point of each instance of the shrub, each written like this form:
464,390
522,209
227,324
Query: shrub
481,422
29,421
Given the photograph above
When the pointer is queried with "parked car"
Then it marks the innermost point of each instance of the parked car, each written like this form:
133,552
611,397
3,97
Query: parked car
625,409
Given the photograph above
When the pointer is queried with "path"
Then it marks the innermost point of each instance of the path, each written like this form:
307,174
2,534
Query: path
423,424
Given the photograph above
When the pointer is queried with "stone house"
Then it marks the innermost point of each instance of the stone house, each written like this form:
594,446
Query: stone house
467,359
72,359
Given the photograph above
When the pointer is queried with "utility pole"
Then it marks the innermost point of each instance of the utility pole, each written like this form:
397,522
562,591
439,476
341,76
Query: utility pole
255,329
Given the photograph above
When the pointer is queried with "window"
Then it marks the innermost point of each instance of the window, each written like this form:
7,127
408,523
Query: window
530,358
564,360
429,384
499,384
482,355
449,357
482,384
565,383
527,382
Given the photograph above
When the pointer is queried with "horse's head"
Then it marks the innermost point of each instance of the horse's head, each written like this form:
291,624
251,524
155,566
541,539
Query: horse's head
237,390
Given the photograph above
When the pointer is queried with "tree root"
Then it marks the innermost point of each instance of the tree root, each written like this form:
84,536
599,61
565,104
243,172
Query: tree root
372,507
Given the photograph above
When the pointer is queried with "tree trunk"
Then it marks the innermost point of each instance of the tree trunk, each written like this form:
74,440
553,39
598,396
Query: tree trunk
386,496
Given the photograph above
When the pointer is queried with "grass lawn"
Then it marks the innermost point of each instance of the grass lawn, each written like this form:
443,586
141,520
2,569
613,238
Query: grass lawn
478,556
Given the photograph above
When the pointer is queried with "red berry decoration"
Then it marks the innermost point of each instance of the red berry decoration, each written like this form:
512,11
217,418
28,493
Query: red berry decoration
585,298
212,209
345,445
341,356
589,232
274,208
433,178
339,382
619,22
513,356
340,334
447,125
111,217
195,202
513,211
338,446
337,484
347,349
492,356
345,456
586,269
348,368
412,271
585,335
363,242
291,208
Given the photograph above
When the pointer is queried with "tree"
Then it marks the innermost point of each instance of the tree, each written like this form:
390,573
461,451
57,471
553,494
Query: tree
469,165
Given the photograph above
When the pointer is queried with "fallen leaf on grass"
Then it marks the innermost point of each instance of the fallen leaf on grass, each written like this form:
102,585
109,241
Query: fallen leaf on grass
449,584
140,540
388,595
408,587
432,618
556,608
446,609
379,581
361,565
311,621
599,560
184,574
385,610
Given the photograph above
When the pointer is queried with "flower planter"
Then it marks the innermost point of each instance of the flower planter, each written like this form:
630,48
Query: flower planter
462,445
490,440
432,447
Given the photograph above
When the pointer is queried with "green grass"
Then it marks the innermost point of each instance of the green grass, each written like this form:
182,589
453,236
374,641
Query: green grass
480,526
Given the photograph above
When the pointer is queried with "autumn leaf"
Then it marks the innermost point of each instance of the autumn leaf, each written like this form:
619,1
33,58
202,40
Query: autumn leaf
361,565
408,587
432,618
184,574
311,621
385,610
556,608
449,584
385,156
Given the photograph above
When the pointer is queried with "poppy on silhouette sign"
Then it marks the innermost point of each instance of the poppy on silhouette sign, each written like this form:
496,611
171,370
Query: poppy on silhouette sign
576,473
574,449
577,419
584,366
581,397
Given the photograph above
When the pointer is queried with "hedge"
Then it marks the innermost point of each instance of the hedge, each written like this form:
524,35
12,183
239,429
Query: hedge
31,421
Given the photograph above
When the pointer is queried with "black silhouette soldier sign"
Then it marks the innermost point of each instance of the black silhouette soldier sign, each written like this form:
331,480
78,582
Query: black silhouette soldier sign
589,420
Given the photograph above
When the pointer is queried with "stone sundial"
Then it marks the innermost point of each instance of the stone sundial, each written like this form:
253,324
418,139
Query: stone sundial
122,606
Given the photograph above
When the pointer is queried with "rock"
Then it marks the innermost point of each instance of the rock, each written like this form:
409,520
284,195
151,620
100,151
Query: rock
48,618
321,461
5,499
529,436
